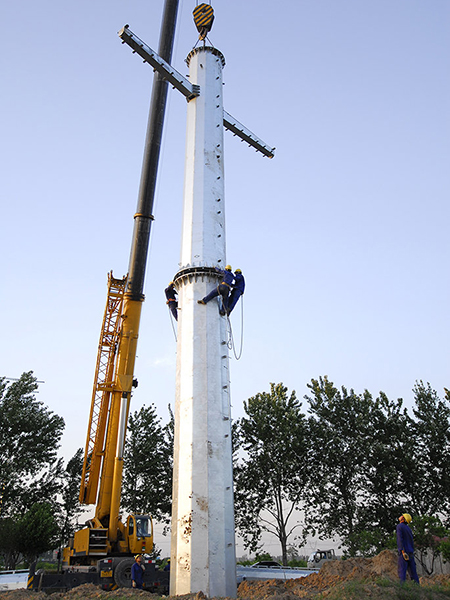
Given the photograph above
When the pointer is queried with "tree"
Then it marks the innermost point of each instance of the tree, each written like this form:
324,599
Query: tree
9,533
70,505
372,461
429,533
38,531
427,479
387,456
357,447
147,481
29,439
340,439
270,466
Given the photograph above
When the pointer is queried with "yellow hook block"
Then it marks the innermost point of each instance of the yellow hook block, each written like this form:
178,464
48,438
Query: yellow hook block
203,19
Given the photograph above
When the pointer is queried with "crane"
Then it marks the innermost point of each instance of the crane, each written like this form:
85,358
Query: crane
102,551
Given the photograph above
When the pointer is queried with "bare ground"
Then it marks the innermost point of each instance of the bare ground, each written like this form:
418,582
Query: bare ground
359,578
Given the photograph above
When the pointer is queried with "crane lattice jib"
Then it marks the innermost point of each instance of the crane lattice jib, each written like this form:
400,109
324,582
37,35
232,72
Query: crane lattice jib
101,393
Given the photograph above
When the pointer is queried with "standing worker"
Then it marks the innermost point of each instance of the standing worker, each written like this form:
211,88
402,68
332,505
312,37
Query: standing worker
137,572
172,299
223,289
237,291
405,546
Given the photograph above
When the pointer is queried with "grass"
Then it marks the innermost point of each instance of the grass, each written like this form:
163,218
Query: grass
384,589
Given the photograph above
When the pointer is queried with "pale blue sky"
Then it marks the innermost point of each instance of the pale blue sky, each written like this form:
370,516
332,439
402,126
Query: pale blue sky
343,237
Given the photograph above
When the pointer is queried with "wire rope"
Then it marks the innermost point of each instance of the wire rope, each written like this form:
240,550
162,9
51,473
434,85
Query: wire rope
171,322
231,343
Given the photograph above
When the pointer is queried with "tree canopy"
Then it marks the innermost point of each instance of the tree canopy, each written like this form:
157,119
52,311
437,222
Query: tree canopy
352,464
147,480
271,467
30,436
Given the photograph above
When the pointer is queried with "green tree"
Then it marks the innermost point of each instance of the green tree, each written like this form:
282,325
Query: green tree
38,531
70,508
429,534
427,480
340,440
9,551
372,461
29,439
270,466
357,444
147,481
445,550
387,457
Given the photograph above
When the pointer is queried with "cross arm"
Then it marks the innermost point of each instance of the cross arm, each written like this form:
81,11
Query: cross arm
238,129
188,89
179,82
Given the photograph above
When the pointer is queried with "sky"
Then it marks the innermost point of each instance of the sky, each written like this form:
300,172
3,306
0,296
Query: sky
342,237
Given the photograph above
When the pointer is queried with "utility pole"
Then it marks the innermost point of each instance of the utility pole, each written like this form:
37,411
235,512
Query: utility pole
203,556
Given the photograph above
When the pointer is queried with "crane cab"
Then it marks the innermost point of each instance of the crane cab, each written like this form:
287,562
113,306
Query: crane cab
139,533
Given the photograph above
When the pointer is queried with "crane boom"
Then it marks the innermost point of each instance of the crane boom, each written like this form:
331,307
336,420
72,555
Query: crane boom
101,393
101,482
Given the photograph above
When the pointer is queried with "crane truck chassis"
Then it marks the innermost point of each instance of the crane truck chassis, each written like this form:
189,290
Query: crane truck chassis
109,573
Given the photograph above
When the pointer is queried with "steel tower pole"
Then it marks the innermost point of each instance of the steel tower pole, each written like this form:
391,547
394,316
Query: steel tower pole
203,556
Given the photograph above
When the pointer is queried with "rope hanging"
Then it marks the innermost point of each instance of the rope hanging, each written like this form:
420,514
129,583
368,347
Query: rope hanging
231,344
171,322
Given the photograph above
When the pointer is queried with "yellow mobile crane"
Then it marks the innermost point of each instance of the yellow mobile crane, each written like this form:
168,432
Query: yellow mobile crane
103,551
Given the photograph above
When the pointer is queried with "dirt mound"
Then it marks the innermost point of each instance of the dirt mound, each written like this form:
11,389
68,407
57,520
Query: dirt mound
330,575
87,591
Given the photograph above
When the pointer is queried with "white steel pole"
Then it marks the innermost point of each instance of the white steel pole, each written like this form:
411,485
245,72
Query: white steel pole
203,556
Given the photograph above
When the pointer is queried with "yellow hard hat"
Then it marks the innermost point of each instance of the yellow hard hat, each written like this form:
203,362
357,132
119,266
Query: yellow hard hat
407,517
138,556
228,268
238,271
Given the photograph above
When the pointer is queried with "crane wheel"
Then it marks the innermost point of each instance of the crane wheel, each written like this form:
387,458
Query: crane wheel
122,572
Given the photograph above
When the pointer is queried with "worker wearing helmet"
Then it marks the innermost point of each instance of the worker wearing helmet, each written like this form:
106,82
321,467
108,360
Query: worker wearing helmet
172,299
237,291
137,572
223,289
405,545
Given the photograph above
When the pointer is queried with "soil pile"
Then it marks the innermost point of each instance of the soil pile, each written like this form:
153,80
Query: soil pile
330,575
334,575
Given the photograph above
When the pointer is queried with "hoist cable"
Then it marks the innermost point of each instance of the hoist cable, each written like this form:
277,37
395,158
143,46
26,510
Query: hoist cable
171,322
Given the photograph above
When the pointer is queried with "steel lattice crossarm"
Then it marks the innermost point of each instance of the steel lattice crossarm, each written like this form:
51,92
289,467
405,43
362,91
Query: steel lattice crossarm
246,135
159,64
188,89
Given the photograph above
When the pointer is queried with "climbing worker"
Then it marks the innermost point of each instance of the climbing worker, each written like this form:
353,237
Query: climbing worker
223,289
237,291
137,572
405,546
172,299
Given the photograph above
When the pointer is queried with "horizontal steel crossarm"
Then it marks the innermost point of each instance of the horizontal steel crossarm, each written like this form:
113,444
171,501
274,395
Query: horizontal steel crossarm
179,82
238,129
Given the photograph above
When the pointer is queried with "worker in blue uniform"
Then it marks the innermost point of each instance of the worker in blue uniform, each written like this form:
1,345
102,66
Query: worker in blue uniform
172,299
237,291
405,546
223,289
137,572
